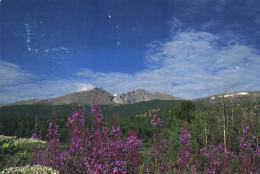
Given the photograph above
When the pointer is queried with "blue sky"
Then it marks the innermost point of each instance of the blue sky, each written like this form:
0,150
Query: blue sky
187,48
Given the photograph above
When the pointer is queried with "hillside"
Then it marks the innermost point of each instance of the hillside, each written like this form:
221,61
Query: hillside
231,98
86,97
45,110
138,102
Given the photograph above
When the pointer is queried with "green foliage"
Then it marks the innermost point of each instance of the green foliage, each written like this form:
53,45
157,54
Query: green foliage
19,120
184,111
44,110
204,120
172,133
17,151
7,144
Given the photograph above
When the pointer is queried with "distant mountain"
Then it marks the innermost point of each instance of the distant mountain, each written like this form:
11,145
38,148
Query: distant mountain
164,96
106,98
132,97
234,97
102,96
141,95
85,97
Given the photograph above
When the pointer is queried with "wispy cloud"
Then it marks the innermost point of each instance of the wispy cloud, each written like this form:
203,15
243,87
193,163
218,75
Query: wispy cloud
17,84
191,64
11,74
196,61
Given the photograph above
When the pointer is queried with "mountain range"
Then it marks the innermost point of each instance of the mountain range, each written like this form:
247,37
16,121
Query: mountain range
106,98
102,96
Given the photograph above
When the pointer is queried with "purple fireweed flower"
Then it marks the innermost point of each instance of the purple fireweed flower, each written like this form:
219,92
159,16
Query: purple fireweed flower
185,154
95,150
185,136
35,132
211,155
247,128
156,122
159,149
51,155
217,158
248,152
132,148
203,151
34,136
257,151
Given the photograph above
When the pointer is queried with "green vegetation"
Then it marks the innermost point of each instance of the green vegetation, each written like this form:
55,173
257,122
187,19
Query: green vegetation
222,121
17,151
19,120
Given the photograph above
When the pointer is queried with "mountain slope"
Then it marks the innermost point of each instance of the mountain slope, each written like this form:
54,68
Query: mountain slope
163,96
133,97
102,96
86,97
234,97
140,95
45,110
106,98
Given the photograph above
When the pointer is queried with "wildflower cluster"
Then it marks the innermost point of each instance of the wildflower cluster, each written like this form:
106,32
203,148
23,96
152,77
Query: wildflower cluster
158,152
156,122
94,150
249,152
51,156
185,154
217,158
102,149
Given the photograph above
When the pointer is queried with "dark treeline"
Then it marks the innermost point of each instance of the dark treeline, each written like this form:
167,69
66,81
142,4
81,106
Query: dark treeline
19,120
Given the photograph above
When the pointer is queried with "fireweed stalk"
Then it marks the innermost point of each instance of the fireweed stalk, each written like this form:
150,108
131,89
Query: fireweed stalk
98,150
133,152
226,158
76,142
35,131
217,158
211,163
37,136
158,152
185,154
108,151
249,153
52,156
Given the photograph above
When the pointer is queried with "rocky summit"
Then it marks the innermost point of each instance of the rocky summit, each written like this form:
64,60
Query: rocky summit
142,95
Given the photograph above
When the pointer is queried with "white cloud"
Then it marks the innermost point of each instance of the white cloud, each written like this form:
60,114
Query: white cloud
11,74
84,87
193,60
189,65
17,84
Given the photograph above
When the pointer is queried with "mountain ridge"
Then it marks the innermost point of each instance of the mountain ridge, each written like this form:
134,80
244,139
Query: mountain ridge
233,97
102,96
139,95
